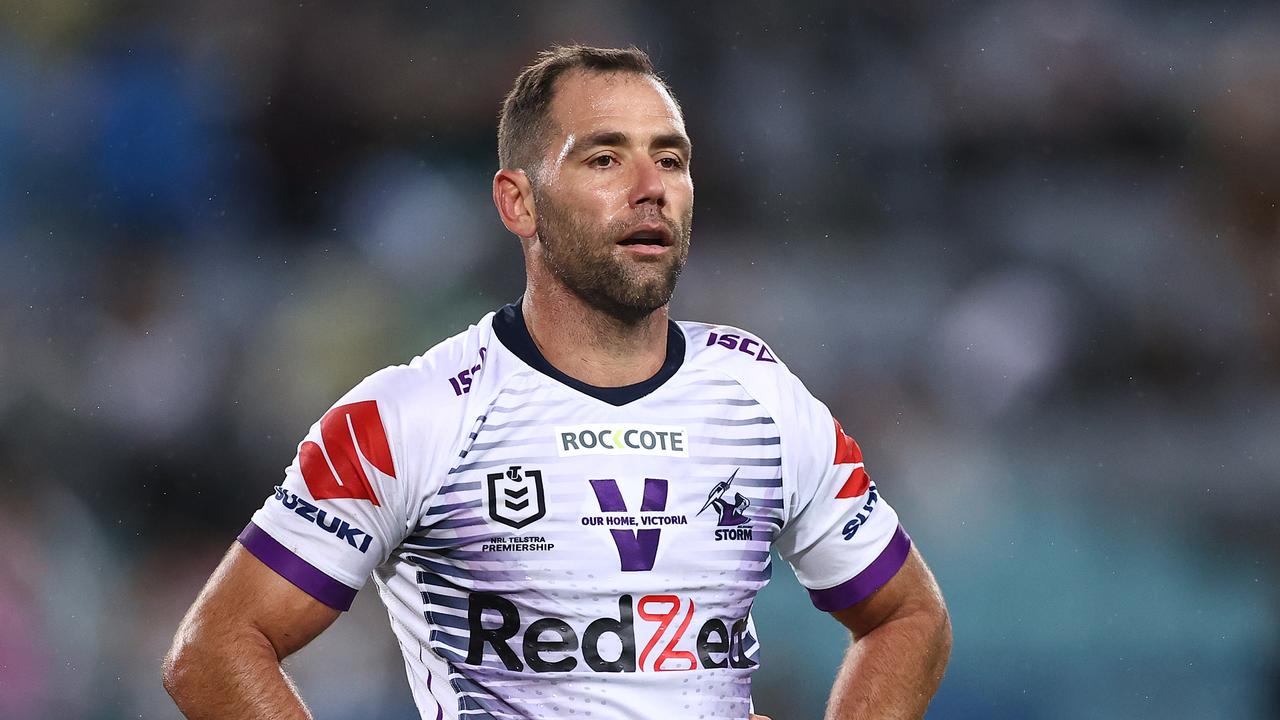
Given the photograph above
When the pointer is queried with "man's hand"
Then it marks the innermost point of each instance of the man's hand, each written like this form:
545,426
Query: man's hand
225,659
902,639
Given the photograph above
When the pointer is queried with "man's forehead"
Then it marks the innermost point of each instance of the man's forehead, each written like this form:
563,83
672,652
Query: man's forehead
585,101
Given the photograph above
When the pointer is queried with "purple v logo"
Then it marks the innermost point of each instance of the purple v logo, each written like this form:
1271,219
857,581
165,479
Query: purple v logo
638,549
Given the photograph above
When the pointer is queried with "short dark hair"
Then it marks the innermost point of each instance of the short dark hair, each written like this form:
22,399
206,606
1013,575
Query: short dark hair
526,111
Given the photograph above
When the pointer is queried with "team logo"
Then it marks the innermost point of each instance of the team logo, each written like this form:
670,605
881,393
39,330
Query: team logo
731,515
665,440
516,498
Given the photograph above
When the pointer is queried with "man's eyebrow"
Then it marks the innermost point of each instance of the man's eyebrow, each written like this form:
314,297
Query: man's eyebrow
617,138
604,138
673,141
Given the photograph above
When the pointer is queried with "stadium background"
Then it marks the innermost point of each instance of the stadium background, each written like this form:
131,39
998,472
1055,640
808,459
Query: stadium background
1027,251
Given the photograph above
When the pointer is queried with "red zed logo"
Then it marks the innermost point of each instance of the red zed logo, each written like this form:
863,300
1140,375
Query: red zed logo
667,609
848,452
340,473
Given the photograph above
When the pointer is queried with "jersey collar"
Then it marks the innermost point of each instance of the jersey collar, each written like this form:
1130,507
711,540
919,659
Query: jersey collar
509,326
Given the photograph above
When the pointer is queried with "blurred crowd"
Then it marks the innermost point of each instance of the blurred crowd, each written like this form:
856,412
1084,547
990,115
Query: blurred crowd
1028,252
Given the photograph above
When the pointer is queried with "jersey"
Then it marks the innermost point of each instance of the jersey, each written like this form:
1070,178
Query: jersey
545,547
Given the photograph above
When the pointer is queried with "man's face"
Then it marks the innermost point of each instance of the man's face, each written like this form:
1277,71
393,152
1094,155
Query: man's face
614,197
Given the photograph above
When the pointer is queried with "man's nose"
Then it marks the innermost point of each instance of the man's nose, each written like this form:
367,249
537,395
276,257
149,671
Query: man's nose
648,186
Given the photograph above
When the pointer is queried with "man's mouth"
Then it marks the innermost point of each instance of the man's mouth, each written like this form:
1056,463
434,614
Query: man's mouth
652,236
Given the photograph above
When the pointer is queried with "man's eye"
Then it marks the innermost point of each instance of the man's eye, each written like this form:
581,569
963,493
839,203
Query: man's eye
670,163
602,161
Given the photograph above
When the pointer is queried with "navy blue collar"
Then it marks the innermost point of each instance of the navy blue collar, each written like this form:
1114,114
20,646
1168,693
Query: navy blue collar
509,326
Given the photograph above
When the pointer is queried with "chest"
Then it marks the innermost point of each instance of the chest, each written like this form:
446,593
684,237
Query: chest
577,499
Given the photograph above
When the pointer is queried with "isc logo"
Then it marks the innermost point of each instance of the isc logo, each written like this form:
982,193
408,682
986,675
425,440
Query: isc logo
351,435
743,344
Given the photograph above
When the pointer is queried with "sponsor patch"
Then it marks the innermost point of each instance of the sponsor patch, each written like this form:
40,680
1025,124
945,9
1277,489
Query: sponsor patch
651,633
848,453
851,527
351,434
607,439
330,523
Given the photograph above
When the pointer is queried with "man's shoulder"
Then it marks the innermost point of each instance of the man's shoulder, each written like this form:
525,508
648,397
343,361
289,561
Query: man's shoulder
439,372
738,353
713,343
746,359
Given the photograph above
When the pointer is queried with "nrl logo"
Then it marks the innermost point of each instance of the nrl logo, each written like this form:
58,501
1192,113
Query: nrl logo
515,499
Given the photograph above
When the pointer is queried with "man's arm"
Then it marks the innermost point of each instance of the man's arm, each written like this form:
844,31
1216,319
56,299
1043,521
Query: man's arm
225,658
901,642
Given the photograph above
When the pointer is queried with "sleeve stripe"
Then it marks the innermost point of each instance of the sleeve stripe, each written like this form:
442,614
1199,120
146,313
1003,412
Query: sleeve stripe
861,586
306,576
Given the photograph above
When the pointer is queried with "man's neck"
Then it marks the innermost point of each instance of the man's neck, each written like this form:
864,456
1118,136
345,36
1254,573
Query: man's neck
591,346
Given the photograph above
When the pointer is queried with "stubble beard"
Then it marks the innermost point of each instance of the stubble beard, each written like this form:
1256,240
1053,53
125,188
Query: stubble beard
583,258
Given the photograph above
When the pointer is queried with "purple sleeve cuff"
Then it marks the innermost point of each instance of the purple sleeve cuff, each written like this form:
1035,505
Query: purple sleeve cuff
855,590
306,576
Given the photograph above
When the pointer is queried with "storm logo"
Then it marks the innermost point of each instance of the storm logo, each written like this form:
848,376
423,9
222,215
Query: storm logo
731,515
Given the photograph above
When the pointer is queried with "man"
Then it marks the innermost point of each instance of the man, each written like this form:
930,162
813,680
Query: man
528,494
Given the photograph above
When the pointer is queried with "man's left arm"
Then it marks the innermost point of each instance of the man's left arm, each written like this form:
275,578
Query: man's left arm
899,651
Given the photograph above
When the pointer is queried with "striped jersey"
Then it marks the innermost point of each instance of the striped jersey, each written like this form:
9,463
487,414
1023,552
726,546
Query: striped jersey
547,548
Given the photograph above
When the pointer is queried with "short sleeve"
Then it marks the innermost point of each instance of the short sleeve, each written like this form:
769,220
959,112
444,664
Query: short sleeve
841,537
342,507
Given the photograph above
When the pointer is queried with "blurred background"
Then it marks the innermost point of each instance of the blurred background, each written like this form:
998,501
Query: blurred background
1028,252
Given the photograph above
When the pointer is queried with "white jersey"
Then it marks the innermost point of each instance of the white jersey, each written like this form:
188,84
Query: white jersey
546,548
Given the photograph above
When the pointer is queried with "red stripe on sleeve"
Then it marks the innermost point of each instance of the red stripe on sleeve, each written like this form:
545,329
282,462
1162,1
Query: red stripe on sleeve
848,452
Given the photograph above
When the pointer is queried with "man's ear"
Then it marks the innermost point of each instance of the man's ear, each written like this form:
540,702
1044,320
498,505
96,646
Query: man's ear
513,196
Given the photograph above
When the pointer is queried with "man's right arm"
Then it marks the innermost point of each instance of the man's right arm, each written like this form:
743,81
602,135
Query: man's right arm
225,658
